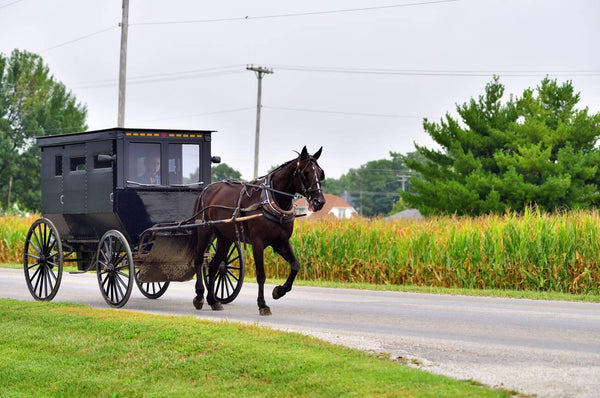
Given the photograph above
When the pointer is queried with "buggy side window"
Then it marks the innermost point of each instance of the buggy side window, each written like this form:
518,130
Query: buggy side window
144,163
184,164
77,163
58,165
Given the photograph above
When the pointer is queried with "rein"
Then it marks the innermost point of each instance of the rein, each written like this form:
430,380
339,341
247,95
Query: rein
271,210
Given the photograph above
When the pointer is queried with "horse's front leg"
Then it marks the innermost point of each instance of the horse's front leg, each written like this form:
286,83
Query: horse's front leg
257,252
287,252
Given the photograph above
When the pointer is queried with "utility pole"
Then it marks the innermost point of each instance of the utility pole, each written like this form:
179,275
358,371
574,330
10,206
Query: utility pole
403,179
260,71
9,192
123,64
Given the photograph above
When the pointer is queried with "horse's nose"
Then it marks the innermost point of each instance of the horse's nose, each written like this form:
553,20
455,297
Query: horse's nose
318,203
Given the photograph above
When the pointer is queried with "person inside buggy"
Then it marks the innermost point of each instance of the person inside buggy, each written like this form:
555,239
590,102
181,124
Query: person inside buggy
145,166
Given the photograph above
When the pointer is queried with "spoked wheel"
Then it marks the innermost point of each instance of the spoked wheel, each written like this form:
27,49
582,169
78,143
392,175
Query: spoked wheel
43,260
115,268
152,290
230,274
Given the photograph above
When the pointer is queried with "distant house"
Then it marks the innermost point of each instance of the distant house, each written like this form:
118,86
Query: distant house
408,214
334,207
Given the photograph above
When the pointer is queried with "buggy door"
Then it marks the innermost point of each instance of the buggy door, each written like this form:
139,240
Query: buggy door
74,179
100,177
52,180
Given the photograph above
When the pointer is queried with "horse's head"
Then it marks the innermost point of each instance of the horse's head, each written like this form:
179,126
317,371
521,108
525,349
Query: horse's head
307,179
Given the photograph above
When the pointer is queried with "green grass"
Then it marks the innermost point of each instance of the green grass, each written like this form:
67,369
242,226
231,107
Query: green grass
67,350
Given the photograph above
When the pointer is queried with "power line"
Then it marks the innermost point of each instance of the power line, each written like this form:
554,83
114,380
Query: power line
202,114
158,78
10,4
433,72
298,14
79,38
341,112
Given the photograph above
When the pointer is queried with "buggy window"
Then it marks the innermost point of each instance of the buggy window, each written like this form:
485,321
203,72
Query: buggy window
58,165
184,164
144,163
77,163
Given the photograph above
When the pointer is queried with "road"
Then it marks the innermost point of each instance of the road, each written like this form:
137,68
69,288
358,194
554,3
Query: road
542,348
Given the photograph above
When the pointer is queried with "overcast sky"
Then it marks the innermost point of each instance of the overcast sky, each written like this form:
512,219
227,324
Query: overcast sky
356,77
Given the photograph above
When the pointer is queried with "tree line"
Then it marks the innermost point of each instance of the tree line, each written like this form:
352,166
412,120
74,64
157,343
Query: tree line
538,148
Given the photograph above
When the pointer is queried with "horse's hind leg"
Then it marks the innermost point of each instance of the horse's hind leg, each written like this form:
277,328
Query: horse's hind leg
203,240
223,245
199,298
287,252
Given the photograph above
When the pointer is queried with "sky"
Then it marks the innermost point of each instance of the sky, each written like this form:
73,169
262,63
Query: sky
355,77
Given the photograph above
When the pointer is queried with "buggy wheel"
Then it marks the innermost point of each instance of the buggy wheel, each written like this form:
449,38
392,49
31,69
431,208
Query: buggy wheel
230,274
43,260
115,268
152,290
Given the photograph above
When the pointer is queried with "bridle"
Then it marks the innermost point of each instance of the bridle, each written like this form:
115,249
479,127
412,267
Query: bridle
314,187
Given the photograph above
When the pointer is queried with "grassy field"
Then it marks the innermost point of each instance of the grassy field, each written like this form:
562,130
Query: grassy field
532,252
66,350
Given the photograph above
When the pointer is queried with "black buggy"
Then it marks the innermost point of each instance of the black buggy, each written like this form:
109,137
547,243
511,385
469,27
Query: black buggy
120,201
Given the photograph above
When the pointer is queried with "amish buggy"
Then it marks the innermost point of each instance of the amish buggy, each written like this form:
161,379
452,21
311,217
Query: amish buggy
111,201
119,202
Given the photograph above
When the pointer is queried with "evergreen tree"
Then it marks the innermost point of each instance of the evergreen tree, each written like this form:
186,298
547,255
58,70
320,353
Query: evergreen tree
539,149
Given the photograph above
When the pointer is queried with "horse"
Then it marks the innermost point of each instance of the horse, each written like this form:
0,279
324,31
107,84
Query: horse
272,196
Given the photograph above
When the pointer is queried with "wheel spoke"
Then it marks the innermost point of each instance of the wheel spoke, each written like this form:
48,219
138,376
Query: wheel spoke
32,256
37,249
44,285
53,255
232,275
118,287
51,276
226,284
233,260
36,277
221,285
119,259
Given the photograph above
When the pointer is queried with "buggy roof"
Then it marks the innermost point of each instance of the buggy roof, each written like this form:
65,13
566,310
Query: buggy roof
86,136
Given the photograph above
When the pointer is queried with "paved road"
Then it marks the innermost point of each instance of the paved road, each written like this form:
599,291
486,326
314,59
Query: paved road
544,348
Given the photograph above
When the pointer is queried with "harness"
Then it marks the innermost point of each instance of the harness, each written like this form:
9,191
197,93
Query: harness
268,204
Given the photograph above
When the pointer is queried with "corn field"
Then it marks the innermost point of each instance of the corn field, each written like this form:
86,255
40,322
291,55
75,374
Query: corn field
530,251
13,230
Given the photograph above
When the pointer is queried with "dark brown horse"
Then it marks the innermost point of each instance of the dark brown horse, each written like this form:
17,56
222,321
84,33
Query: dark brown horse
272,196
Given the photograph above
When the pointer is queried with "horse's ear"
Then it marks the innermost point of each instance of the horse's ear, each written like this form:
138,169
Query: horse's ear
304,153
318,153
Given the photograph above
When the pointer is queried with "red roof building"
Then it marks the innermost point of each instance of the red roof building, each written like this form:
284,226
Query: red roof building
335,207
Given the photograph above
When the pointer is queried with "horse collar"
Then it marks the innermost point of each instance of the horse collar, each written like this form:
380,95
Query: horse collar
271,209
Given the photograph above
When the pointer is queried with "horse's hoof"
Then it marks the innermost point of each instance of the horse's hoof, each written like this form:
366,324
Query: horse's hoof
264,311
198,303
276,294
217,306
